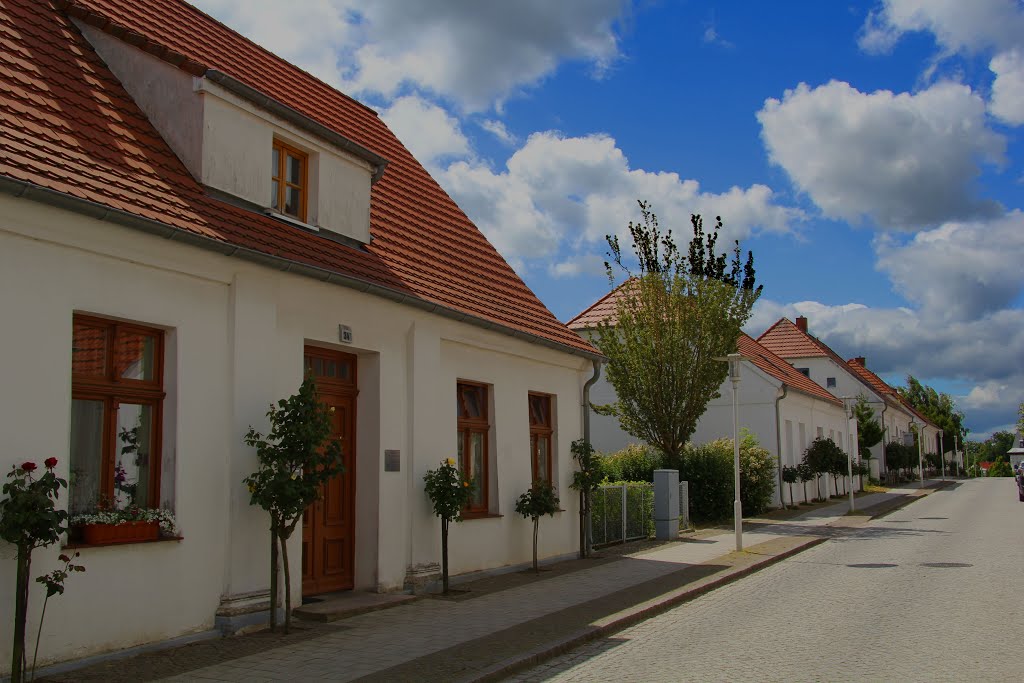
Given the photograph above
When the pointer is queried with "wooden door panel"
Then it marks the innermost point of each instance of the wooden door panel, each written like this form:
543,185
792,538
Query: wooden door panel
328,531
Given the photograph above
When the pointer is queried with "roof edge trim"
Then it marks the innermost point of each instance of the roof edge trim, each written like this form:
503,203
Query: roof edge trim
26,190
290,115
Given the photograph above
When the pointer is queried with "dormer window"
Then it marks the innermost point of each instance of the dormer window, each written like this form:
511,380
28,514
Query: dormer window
289,190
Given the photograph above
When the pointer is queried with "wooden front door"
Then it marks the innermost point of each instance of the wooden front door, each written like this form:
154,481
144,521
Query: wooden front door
328,526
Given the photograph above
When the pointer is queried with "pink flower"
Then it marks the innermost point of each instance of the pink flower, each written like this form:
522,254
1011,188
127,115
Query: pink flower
28,466
50,463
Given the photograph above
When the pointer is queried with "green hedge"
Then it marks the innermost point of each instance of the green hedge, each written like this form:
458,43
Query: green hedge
633,463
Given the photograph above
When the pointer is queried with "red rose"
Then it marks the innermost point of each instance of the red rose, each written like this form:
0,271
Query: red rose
50,463
28,466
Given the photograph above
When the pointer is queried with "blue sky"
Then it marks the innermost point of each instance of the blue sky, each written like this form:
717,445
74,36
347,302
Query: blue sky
869,153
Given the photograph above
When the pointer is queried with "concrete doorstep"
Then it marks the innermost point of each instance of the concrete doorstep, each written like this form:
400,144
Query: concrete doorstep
337,606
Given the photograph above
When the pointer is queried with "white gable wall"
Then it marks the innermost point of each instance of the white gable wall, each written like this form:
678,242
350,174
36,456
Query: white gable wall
225,142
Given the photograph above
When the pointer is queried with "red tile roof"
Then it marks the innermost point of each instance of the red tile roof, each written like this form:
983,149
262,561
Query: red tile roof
775,366
67,124
884,389
602,310
788,341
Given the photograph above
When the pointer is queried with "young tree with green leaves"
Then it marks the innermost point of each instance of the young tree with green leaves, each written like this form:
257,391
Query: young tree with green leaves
449,491
869,432
586,479
675,314
939,408
806,473
538,501
296,458
791,475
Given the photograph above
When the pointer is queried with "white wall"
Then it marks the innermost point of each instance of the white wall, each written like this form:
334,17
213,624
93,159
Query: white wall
237,333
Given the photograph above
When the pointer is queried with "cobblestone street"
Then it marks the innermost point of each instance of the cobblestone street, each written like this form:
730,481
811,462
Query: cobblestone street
926,593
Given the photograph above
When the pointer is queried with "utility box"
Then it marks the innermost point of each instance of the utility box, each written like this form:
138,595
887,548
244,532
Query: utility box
666,504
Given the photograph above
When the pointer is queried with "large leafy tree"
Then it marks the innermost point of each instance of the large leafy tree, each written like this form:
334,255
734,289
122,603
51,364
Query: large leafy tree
869,431
938,407
674,314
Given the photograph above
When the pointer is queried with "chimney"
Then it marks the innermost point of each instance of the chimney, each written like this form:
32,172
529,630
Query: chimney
801,324
859,360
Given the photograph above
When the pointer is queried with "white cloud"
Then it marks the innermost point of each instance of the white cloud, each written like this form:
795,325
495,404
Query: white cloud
959,270
1008,88
429,132
476,55
958,25
575,190
905,160
307,33
584,264
902,341
498,130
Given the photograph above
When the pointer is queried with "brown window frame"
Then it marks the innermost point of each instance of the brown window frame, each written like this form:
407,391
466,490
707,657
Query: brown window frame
113,391
538,432
467,426
280,175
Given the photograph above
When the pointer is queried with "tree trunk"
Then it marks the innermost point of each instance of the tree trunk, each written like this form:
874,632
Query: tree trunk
536,528
273,576
583,525
835,484
805,492
444,555
287,584
20,613
792,502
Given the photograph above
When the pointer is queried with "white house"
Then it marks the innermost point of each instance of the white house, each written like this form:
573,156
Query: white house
851,378
188,224
782,407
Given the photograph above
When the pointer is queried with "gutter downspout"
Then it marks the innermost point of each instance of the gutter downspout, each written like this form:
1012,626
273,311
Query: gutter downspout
585,535
885,432
778,441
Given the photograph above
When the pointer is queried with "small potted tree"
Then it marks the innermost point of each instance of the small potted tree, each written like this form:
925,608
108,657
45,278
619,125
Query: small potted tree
538,501
790,475
449,492
296,458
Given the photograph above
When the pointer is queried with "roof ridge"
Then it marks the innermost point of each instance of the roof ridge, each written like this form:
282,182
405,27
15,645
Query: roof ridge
773,326
175,58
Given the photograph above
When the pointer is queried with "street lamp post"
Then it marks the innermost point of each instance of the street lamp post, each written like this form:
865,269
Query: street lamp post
848,407
919,426
942,456
734,360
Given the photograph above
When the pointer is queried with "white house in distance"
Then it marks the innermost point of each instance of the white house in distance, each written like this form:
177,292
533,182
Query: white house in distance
188,224
825,367
782,407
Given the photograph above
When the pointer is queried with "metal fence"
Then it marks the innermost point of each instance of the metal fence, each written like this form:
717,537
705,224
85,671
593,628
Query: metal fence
684,505
622,512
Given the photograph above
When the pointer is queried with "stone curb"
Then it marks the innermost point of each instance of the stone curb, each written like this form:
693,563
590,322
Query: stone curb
614,623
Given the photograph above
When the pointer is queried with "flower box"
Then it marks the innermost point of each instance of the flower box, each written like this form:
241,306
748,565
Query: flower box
126,532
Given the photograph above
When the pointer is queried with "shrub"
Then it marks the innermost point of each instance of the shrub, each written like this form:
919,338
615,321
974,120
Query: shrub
709,469
635,462
1000,468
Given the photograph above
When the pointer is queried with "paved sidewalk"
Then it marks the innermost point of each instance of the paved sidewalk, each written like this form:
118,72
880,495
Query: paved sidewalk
494,633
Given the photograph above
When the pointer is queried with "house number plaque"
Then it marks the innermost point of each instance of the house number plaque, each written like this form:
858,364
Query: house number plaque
392,461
